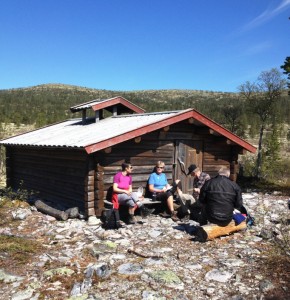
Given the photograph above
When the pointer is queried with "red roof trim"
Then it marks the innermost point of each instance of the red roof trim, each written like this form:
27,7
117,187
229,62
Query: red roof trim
118,100
191,113
223,131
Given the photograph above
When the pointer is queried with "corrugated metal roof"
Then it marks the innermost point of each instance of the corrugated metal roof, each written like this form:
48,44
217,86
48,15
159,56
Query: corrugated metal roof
72,133
113,130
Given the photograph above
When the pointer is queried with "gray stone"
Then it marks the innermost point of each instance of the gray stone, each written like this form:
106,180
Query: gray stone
266,233
266,285
22,295
154,233
130,269
94,221
118,256
154,261
7,278
194,267
237,297
100,270
233,262
218,275
58,271
166,277
76,290
210,291
150,295
21,213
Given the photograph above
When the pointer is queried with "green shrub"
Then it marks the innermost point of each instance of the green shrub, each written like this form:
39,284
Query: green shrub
19,194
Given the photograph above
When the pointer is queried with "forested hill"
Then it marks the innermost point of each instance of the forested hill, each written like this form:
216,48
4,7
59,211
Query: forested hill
49,103
45,104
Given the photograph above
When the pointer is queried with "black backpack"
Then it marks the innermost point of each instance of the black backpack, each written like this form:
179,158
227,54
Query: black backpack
111,219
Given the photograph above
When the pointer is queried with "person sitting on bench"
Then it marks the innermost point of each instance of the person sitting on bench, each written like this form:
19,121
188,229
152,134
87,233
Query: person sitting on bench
160,189
122,188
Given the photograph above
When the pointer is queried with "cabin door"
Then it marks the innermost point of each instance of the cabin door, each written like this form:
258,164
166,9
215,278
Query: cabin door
187,152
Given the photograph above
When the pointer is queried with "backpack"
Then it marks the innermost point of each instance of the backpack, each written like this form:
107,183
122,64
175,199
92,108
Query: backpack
111,219
250,220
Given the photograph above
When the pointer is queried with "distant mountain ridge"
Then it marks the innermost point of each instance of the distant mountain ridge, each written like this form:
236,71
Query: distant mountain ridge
81,88
163,95
49,103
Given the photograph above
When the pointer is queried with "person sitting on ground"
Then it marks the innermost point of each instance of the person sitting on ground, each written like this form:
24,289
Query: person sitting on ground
219,197
122,188
160,189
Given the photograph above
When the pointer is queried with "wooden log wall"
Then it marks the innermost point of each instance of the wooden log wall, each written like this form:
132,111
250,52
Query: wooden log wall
143,153
9,158
89,195
216,151
54,174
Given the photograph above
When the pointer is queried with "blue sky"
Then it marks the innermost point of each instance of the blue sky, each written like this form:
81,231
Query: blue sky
141,45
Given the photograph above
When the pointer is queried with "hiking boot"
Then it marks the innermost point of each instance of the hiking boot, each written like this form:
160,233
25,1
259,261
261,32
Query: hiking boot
185,219
174,216
132,219
165,215
146,211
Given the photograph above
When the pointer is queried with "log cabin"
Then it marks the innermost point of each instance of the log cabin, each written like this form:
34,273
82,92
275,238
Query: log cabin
73,162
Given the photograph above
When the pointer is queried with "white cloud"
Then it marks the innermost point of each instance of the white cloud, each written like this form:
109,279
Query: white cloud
258,48
267,15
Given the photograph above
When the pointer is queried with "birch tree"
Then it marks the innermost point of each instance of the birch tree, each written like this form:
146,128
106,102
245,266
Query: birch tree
262,97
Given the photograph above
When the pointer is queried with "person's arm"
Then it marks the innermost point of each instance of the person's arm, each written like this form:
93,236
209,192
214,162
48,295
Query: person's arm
239,199
118,190
202,195
205,177
155,190
130,189
166,184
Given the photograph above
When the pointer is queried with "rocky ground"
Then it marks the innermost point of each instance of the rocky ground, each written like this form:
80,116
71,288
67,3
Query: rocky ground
42,258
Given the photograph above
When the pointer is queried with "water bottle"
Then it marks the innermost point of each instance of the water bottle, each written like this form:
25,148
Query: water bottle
154,196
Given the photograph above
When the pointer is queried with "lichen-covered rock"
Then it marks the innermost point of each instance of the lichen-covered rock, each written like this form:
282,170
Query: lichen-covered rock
58,271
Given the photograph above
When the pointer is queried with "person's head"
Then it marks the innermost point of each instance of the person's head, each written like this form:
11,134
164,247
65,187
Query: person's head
194,171
224,171
127,167
159,167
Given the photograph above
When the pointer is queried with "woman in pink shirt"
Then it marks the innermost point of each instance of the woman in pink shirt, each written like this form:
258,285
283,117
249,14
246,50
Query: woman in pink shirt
122,186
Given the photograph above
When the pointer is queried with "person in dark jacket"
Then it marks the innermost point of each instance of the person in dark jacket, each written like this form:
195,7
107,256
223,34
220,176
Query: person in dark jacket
219,197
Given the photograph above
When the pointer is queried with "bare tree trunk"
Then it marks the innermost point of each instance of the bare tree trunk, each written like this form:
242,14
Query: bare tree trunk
58,214
259,157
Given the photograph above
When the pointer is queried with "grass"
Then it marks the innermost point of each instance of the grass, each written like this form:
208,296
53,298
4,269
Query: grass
13,249
263,185
18,249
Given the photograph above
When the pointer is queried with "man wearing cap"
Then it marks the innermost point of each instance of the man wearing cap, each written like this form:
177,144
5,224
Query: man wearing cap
190,205
199,179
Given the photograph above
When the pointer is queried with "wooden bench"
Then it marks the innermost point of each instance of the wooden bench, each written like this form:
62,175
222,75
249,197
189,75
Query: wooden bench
145,201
